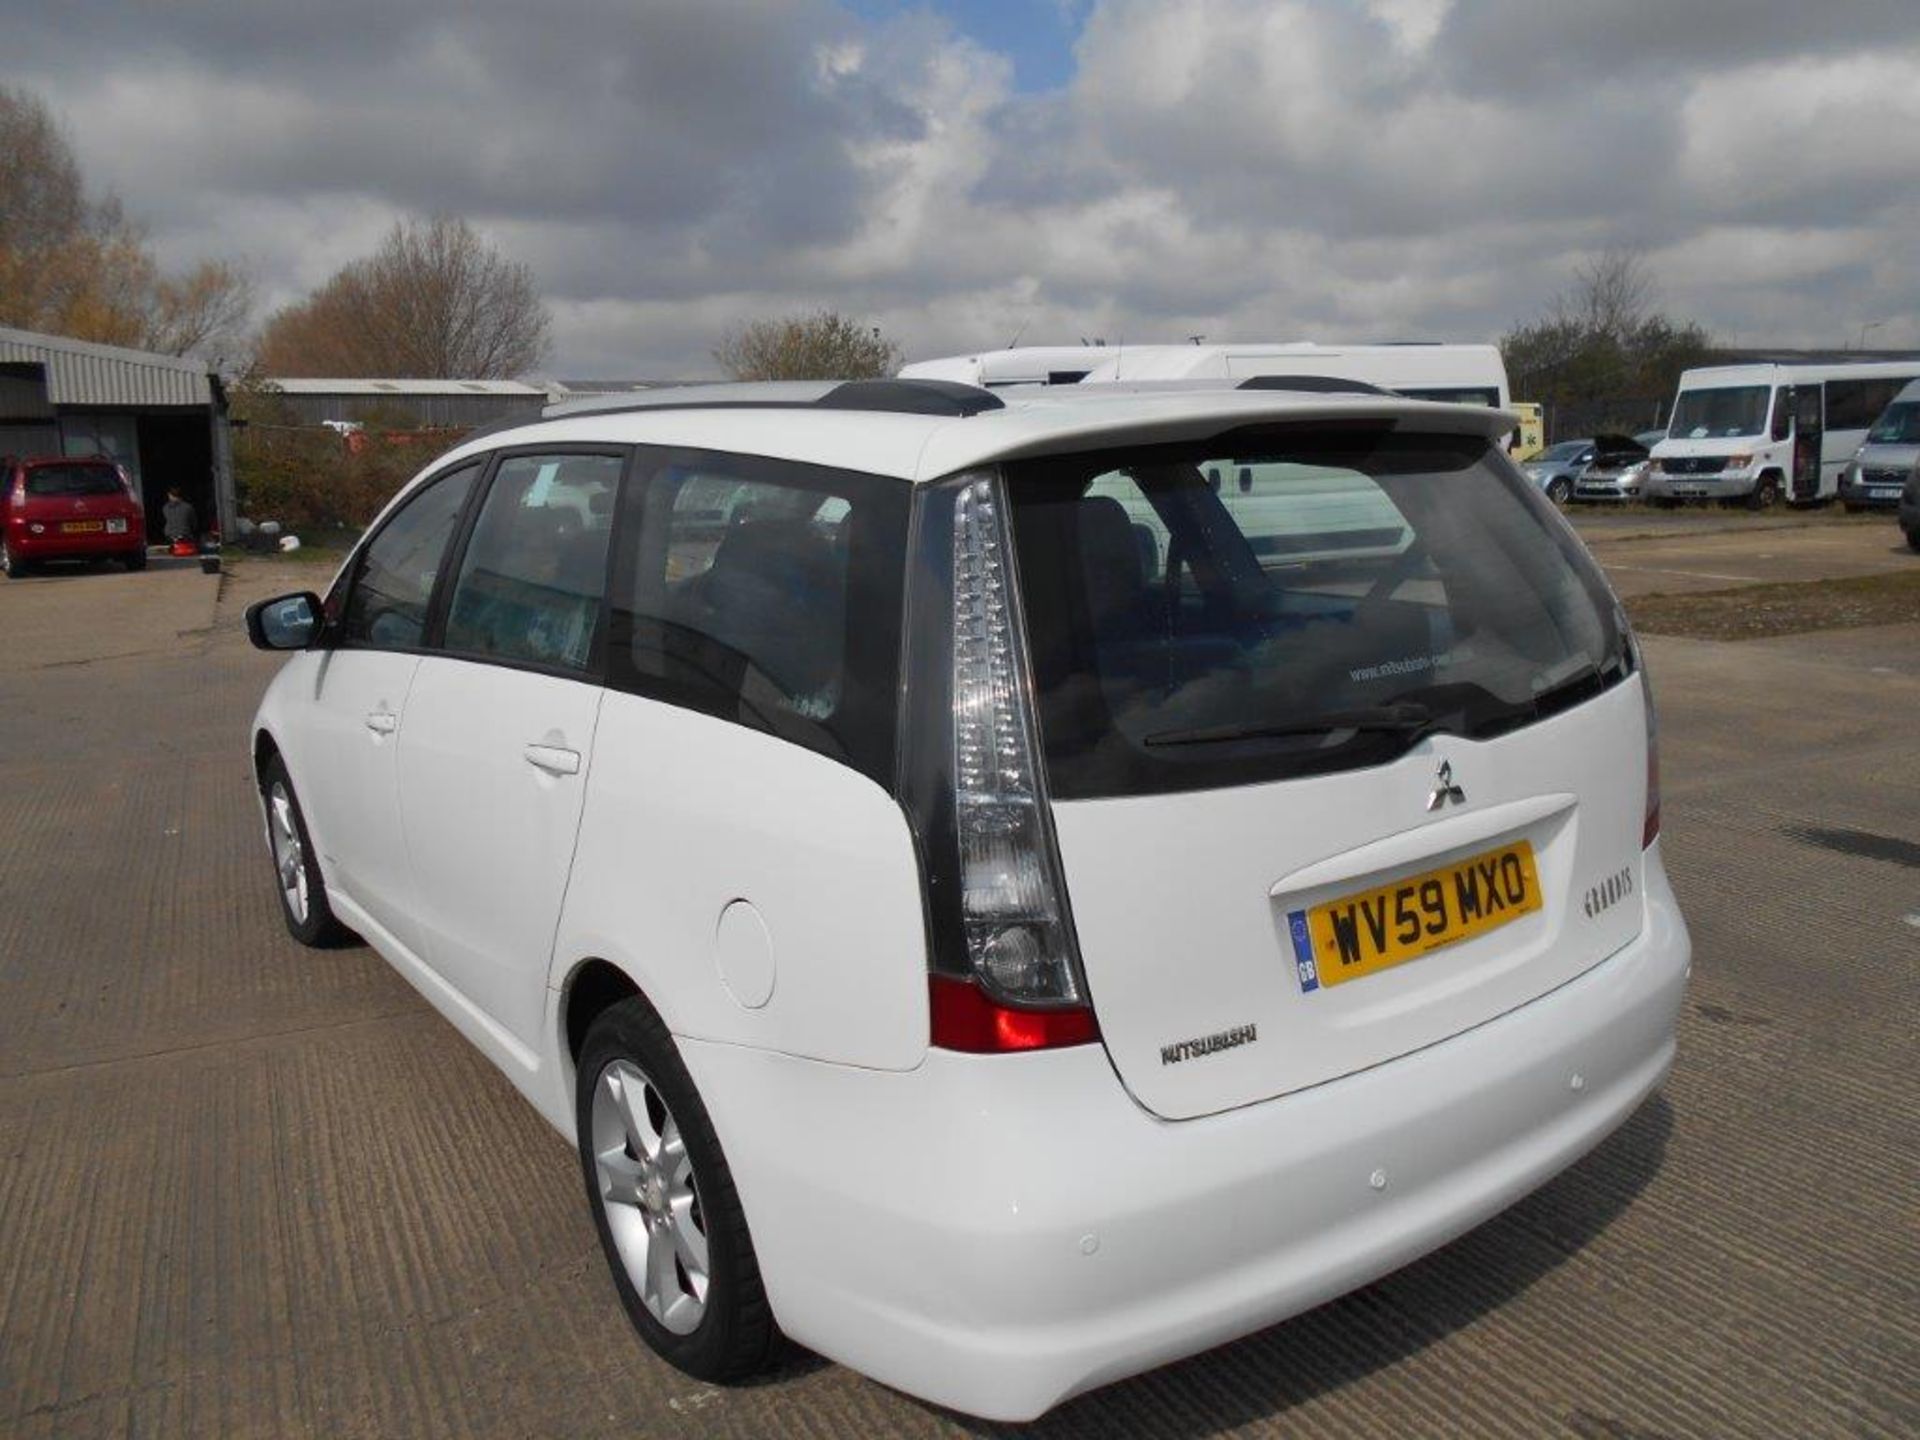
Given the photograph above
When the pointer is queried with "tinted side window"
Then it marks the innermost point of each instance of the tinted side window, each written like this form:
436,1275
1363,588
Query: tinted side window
1856,404
769,594
532,578
387,606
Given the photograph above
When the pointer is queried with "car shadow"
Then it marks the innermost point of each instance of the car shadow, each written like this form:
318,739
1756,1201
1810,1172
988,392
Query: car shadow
1289,1364
93,565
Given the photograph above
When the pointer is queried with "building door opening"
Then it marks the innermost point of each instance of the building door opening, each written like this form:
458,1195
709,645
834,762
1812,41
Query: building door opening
176,451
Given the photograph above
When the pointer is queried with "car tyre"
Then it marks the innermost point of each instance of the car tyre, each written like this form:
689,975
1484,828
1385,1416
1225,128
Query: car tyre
664,1201
11,565
1560,489
136,559
1766,494
303,896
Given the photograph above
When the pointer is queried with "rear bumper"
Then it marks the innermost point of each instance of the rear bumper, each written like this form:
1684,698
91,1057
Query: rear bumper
999,1233
52,546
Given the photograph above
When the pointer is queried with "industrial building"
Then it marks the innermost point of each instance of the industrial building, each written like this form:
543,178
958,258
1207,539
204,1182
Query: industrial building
163,417
427,404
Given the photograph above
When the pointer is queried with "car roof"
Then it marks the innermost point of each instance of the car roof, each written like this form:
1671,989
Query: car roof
920,430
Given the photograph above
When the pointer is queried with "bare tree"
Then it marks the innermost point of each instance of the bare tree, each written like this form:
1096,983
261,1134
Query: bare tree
1613,294
1603,354
42,200
202,311
74,266
434,301
820,346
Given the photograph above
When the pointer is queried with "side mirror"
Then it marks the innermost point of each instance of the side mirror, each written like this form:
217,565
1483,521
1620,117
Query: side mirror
286,622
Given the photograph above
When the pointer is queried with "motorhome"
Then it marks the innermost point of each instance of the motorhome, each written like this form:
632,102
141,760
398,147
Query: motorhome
1466,374
1022,365
1765,433
1469,374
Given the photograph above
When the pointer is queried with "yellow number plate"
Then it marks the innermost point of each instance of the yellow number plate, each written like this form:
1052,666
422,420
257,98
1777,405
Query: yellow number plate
1356,935
81,527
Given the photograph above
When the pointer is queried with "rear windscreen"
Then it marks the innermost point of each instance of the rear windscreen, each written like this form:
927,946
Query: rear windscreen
1283,605
72,480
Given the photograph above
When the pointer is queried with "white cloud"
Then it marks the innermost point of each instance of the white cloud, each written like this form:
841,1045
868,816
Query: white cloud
1389,169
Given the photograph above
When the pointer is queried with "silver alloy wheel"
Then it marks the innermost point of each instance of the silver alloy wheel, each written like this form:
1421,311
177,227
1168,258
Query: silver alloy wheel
289,855
651,1201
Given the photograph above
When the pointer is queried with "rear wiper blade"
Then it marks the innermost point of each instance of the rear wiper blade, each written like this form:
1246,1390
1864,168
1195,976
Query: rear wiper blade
1409,719
1589,679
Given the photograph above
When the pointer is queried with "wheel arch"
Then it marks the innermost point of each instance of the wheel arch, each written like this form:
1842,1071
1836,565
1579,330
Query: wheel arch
265,750
591,986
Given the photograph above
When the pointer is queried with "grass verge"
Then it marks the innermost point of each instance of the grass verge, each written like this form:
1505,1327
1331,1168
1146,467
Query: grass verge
1754,612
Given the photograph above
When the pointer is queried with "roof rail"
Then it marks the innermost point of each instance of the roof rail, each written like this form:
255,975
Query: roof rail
1313,384
895,397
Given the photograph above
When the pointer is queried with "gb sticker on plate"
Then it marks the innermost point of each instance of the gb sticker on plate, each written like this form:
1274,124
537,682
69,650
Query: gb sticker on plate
1303,951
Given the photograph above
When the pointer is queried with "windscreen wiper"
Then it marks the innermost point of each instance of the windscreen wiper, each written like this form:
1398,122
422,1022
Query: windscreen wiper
1402,719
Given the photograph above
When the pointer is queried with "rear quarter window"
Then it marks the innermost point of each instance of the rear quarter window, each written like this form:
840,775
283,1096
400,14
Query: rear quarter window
766,593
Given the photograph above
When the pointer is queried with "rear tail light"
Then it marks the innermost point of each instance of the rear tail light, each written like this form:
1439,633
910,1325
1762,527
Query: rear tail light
1005,972
1650,829
1009,903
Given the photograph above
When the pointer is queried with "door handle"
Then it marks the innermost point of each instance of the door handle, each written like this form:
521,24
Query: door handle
554,759
383,722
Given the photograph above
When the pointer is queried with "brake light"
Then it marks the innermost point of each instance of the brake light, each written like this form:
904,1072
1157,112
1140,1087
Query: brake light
966,1018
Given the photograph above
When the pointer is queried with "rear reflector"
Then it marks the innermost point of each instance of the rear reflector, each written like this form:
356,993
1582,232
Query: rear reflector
966,1019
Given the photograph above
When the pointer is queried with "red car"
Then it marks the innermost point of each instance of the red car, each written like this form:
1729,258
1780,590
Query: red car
69,509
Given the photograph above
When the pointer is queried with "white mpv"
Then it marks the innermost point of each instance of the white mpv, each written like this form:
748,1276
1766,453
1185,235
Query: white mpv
1003,890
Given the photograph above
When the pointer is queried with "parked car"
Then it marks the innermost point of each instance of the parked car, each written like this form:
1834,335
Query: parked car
975,905
1877,475
1617,472
1647,439
1555,468
68,509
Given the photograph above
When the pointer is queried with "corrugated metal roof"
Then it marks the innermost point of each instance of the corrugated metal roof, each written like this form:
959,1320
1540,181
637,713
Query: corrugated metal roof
307,386
82,373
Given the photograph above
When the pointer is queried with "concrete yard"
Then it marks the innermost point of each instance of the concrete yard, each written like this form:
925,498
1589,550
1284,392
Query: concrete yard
252,1190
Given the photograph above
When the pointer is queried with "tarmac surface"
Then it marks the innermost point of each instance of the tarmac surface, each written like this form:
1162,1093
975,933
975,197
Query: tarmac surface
252,1190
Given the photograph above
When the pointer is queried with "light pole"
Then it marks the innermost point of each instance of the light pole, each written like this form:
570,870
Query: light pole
1870,325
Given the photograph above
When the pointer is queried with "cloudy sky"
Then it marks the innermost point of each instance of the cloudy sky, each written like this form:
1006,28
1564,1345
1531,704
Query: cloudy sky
963,171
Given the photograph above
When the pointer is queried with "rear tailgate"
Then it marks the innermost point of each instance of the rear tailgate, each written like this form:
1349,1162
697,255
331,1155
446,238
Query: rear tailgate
1331,783
1182,904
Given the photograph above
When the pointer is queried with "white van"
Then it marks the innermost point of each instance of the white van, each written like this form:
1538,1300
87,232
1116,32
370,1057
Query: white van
1001,950
1766,433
